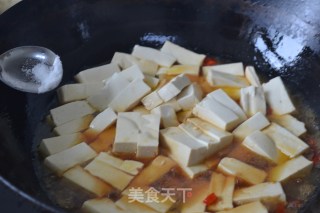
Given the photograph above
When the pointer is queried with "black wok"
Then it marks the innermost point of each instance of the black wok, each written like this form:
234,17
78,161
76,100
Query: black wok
277,37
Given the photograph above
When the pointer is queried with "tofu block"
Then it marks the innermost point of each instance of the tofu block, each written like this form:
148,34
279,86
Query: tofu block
252,76
277,97
50,146
172,103
220,79
80,177
245,172
167,114
132,73
173,87
183,55
183,148
294,168
68,158
250,207
223,187
262,145
74,126
231,69
141,109
194,203
268,193
128,166
148,143
75,92
70,111
103,120
97,74
256,122
109,174
130,96
182,116
216,113
180,69
252,100
154,55
290,123
285,141
100,206
190,96
133,207
148,67
223,98
152,100
194,171
113,86
151,81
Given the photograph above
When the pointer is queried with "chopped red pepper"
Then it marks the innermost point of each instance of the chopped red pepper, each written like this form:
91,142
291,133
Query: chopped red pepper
280,208
208,61
210,199
313,147
269,110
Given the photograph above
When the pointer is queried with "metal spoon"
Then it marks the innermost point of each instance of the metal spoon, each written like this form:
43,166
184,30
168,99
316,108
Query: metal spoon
31,69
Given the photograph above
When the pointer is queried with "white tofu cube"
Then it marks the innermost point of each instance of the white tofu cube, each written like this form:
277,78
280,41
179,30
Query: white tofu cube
80,177
141,109
172,103
183,55
132,73
103,120
252,76
245,172
277,97
290,123
262,145
154,55
215,78
270,193
50,146
152,100
167,114
252,100
70,111
74,126
294,168
100,206
66,159
182,116
231,69
190,96
130,96
194,171
97,74
183,148
256,122
173,87
179,69
257,207
151,81
285,141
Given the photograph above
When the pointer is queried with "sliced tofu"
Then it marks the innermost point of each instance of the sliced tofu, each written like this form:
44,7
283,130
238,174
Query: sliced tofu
190,96
130,96
129,166
252,100
80,177
289,122
103,120
173,103
257,207
97,74
182,116
277,97
245,172
194,171
183,56
180,69
294,168
132,73
129,205
262,145
256,122
173,87
66,159
148,143
154,55
141,109
285,141
148,67
227,80
216,113
183,148
151,81
231,69
268,193
194,203
100,206
223,187
74,126
113,86
109,174
75,92
252,76
152,100
223,98
70,111
167,114
50,146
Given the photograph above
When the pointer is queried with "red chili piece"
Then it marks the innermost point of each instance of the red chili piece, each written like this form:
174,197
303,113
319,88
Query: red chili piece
208,61
210,199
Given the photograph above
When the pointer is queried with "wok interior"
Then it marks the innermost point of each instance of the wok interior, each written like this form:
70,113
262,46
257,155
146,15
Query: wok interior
278,38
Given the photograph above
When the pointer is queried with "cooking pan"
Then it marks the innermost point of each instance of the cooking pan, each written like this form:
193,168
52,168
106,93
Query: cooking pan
280,38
